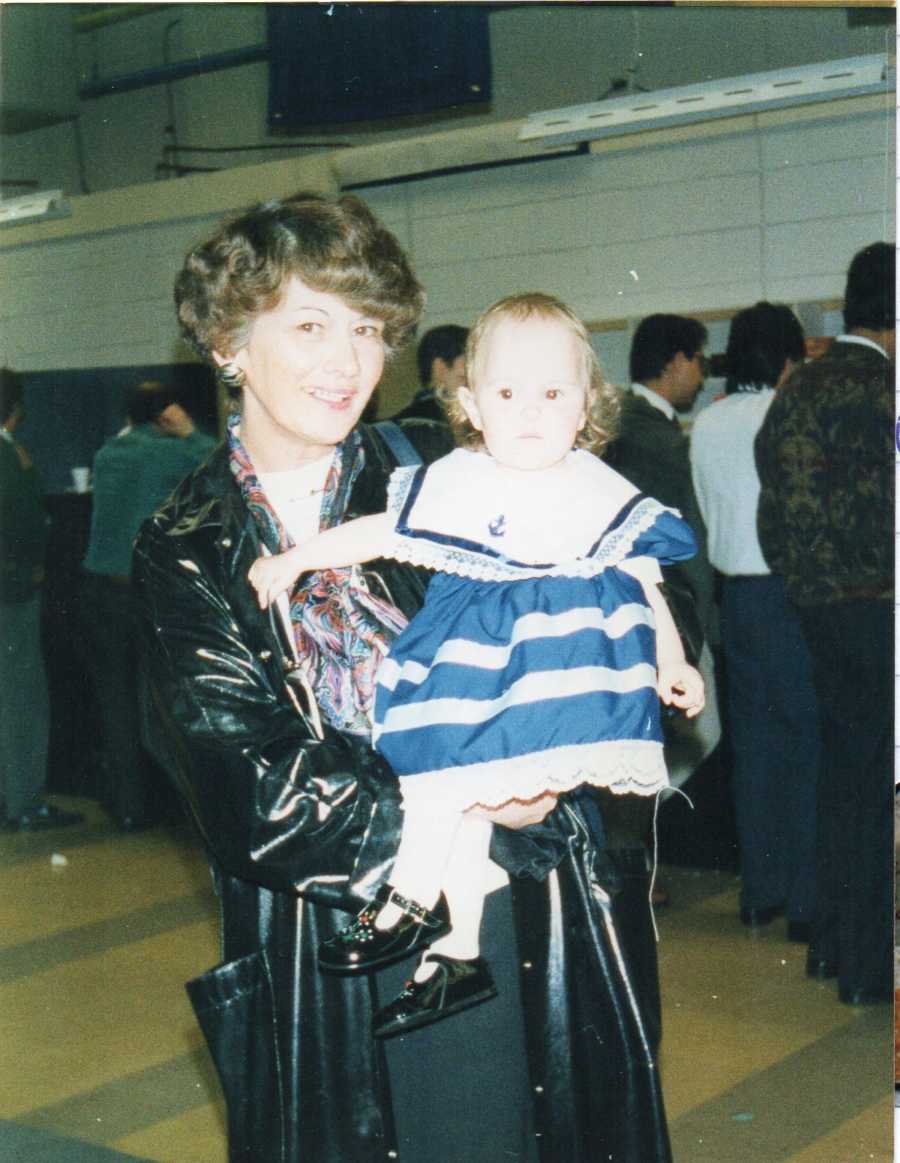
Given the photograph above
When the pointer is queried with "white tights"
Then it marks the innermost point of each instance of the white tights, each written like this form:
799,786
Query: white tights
444,851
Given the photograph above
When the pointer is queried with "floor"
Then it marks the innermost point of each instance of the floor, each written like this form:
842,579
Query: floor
100,1059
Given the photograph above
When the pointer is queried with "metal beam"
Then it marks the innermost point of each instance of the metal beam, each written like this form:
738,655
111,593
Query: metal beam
177,71
728,97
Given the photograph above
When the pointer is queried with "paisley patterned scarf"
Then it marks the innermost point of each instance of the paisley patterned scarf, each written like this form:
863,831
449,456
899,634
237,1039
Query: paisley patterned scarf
341,631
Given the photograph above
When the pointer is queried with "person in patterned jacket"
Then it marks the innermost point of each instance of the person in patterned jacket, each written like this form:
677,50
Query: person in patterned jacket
826,464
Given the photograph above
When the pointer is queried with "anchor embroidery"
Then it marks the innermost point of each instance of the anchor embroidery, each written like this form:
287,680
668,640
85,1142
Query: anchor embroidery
497,527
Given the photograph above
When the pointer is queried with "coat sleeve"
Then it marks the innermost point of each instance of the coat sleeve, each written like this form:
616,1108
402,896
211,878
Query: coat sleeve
276,804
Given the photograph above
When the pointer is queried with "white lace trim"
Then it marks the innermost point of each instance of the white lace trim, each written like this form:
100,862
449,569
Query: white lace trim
629,766
614,547
398,488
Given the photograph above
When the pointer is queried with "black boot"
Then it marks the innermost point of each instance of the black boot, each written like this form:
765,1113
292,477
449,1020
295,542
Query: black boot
454,986
362,947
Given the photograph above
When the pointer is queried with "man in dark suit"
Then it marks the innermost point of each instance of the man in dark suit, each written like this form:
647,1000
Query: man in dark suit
667,367
825,456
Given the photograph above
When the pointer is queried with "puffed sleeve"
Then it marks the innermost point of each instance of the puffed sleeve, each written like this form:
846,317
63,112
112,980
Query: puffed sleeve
668,539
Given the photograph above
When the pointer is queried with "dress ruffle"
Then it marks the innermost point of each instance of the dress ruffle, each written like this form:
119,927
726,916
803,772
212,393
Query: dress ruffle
622,766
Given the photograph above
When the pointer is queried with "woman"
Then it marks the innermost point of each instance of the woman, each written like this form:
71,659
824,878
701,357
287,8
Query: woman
260,719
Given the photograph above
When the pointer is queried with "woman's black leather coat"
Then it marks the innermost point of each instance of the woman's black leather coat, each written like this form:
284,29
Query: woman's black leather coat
298,828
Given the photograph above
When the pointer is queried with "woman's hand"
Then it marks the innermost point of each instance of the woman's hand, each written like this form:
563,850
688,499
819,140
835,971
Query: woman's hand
680,685
518,813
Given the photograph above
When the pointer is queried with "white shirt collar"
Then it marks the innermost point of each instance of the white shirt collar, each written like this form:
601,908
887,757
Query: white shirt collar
861,339
6,435
655,399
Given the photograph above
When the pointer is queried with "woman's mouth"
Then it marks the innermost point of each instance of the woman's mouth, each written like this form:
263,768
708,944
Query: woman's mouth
337,398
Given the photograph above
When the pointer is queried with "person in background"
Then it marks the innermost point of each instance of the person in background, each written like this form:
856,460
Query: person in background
133,474
260,719
667,366
24,705
441,359
773,713
825,456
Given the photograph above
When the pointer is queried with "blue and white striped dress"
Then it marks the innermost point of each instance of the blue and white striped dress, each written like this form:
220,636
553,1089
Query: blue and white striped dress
523,676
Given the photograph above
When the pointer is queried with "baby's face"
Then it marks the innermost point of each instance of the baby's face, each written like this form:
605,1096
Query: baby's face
529,396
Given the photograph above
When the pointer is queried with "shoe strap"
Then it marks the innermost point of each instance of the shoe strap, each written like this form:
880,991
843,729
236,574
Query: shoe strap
411,908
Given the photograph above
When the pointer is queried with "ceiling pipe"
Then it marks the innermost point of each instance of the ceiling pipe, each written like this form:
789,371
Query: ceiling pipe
177,71
114,14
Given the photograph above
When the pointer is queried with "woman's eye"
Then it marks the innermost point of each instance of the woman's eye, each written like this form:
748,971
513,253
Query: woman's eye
309,327
369,330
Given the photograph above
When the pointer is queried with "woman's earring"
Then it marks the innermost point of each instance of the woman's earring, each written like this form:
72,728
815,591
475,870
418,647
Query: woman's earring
230,376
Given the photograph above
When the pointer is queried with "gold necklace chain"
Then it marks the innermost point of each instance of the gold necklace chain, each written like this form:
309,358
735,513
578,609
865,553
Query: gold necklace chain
304,496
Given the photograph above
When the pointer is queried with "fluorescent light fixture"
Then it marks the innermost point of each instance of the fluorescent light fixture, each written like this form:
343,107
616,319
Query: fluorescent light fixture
41,205
726,97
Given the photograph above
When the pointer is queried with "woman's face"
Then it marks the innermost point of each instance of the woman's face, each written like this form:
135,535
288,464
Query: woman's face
310,364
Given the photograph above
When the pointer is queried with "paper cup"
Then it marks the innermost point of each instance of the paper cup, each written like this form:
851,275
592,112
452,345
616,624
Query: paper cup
81,478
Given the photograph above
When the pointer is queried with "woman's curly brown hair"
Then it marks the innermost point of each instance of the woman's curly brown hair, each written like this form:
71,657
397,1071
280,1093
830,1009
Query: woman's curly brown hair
602,400
335,245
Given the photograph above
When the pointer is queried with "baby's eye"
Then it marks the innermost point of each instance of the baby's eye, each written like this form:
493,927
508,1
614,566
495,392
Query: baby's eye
553,393
505,393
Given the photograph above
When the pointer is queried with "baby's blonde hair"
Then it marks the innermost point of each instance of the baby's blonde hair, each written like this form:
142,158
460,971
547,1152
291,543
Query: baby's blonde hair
602,400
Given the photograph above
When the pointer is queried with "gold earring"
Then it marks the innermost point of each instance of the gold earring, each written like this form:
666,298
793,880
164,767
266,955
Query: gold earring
230,376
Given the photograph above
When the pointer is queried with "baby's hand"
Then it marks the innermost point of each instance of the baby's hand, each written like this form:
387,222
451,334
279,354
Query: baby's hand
271,576
680,685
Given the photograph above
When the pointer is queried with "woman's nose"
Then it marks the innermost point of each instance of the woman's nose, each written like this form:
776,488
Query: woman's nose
341,356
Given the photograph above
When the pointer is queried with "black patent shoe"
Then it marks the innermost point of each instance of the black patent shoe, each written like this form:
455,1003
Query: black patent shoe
454,986
361,947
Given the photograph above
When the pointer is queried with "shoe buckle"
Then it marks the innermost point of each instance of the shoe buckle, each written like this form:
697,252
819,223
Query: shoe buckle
411,908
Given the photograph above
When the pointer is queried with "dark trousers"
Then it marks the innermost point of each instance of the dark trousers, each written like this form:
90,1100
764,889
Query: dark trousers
24,707
775,736
852,646
132,786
